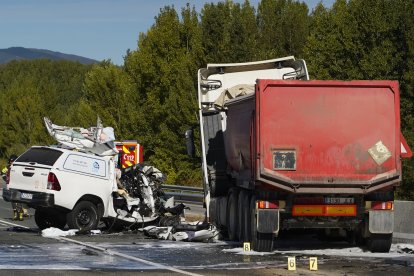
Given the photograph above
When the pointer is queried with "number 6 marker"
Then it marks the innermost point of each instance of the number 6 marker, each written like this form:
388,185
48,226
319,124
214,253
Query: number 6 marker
291,263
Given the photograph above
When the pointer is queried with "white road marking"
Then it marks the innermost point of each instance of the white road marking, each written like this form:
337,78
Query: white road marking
13,224
114,253
111,252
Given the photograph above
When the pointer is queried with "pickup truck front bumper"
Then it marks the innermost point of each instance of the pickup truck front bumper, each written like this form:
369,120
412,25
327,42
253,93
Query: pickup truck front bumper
30,198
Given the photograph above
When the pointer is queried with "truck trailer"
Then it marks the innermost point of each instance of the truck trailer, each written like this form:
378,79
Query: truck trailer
282,152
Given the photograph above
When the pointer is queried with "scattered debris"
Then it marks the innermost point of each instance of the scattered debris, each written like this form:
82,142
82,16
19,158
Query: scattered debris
405,248
55,232
21,229
197,231
98,140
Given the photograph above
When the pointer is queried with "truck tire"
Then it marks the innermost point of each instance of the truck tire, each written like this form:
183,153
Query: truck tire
218,190
83,217
247,216
240,216
232,214
360,240
261,242
213,211
380,243
221,212
48,217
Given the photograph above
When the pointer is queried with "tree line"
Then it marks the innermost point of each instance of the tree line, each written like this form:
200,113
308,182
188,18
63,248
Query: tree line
152,97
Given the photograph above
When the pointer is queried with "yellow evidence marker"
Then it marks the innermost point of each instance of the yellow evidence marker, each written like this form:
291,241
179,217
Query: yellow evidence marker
246,246
291,263
313,263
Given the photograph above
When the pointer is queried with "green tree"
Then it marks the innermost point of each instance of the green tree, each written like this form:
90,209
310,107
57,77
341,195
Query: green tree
216,31
243,33
163,69
332,48
406,24
283,28
109,91
355,40
31,90
21,118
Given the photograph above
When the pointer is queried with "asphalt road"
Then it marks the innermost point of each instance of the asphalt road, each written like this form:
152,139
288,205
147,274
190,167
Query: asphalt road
23,250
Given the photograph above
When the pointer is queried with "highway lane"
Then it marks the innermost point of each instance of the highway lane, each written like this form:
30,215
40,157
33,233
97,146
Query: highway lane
131,252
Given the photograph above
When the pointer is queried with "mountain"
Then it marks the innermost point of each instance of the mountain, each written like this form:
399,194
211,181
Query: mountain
20,53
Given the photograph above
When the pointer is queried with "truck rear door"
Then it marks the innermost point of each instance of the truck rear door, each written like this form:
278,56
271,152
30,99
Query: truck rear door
331,135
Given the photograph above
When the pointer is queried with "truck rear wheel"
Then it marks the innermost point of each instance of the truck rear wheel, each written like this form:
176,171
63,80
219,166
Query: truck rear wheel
83,217
221,212
48,217
218,189
240,215
380,242
232,215
212,210
261,242
247,217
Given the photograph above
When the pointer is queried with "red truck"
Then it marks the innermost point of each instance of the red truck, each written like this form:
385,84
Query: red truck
282,152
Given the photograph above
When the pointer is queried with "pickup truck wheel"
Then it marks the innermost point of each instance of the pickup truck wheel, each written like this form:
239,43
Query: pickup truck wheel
261,242
47,217
232,215
380,242
83,217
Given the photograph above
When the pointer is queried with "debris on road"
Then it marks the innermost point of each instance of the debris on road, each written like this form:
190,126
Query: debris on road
193,231
53,232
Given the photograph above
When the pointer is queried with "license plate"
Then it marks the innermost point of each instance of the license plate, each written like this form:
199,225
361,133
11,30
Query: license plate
339,200
26,196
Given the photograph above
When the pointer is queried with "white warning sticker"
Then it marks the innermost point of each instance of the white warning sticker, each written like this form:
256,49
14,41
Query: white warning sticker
379,152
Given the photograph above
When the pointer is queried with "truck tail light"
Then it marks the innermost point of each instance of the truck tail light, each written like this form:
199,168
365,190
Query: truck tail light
262,204
381,205
53,182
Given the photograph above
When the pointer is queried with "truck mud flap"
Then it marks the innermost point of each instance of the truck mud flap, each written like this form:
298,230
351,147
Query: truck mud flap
268,221
381,222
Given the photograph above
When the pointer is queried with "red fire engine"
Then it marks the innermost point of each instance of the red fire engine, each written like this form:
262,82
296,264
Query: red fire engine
131,153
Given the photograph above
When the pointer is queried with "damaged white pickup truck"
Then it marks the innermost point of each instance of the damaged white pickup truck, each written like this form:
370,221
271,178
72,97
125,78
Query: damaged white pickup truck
77,183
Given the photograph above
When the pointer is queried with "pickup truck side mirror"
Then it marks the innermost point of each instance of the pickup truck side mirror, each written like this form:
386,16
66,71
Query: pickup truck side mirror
189,139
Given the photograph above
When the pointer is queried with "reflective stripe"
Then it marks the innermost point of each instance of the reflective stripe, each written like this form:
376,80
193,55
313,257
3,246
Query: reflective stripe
125,150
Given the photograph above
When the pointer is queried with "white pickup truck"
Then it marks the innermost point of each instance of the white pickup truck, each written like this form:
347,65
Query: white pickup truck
67,186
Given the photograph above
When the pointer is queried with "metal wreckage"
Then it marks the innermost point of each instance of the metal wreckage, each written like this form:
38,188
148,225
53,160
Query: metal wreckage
138,198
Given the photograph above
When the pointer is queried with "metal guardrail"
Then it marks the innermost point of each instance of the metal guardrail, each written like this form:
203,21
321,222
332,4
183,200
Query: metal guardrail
185,194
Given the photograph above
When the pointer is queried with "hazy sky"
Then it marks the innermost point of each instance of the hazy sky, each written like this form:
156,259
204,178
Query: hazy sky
97,29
